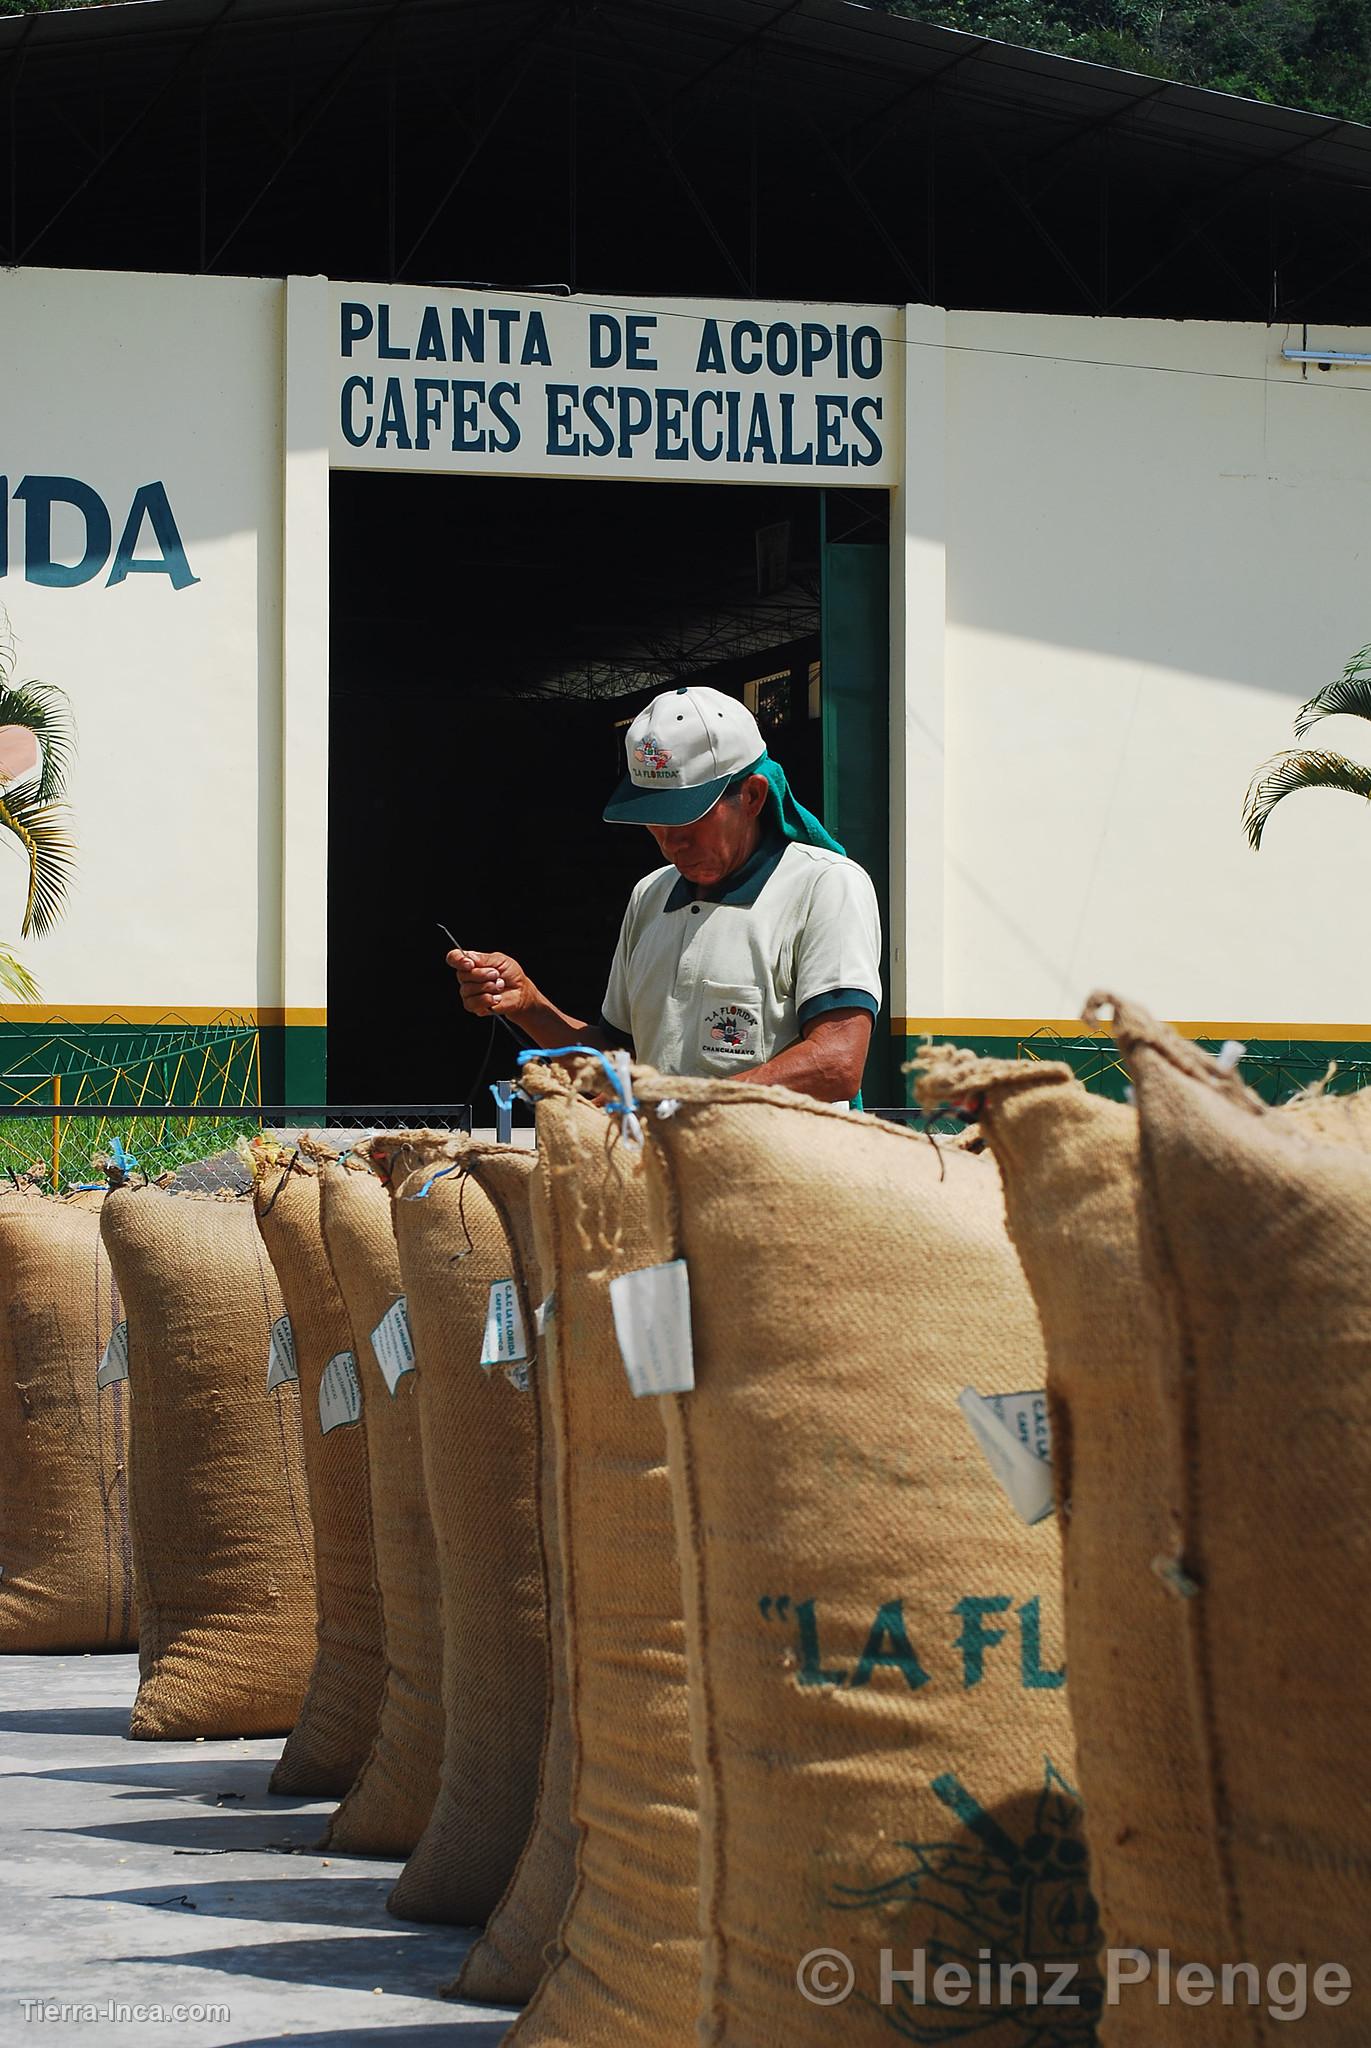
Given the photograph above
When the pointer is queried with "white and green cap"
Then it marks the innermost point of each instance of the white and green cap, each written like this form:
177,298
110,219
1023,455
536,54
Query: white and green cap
683,752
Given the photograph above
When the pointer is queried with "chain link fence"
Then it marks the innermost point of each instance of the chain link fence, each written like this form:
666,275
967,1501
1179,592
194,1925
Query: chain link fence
184,1146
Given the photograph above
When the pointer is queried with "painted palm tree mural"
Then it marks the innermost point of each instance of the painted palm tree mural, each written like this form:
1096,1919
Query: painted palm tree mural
37,741
1313,767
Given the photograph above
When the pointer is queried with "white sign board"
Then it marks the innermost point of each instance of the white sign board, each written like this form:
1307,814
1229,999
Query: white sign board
714,391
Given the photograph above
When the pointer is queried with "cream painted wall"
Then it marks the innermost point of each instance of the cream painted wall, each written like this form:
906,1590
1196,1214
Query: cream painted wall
1158,543
119,381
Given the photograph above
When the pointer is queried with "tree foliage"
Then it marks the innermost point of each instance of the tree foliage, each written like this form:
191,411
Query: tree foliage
1313,768
1296,53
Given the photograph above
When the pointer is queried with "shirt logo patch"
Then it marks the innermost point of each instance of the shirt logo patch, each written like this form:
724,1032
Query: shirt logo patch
652,758
731,1032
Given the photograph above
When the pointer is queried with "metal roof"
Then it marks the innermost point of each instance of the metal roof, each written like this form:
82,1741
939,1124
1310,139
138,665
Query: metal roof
779,148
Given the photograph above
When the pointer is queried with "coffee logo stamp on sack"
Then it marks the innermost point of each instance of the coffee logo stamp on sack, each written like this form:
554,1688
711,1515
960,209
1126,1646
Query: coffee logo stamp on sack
1014,1927
504,1342
393,1344
281,1364
732,1032
115,1363
340,1393
988,1621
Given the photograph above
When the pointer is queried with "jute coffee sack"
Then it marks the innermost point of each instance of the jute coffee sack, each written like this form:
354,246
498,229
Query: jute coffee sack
881,1728
473,1327
628,1972
65,1546
505,1966
1070,1164
1141,1499
222,1549
389,1805
333,1736
1257,1233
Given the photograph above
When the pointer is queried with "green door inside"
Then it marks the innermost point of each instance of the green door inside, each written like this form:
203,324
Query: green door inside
855,592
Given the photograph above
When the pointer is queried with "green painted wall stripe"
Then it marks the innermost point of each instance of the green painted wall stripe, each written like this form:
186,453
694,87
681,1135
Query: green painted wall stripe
1274,1068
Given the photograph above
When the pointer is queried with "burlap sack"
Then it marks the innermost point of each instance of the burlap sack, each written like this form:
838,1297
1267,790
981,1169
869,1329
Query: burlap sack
479,1435
628,1970
875,1640
222,1549
332,1738
66,1556
505,1966
1202,1391
388,1807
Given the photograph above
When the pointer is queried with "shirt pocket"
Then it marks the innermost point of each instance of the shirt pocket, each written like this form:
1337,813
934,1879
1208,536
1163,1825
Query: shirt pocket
730,1027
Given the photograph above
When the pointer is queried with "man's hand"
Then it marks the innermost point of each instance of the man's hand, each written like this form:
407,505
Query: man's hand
493,985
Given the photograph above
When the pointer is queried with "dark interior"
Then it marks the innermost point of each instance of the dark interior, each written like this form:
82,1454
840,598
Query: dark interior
761,148
491,637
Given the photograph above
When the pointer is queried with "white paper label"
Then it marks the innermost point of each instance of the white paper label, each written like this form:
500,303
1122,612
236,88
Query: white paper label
504,1341
115,1363
519,1377
652,1323
393,1345
281,1354
340,1393
541,1314
1026,1415
1012,1430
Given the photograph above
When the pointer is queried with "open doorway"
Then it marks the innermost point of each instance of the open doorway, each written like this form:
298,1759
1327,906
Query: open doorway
490,640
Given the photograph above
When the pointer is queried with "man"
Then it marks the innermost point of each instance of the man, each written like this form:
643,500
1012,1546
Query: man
756,950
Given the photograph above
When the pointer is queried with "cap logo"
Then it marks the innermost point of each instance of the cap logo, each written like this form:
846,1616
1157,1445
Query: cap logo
652,760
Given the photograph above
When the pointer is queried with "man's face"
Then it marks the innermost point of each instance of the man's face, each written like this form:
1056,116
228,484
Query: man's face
721,841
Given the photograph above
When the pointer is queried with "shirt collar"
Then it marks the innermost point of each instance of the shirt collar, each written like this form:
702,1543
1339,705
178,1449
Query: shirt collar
740,889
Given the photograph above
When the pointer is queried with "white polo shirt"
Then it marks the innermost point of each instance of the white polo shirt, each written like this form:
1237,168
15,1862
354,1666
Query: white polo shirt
712,983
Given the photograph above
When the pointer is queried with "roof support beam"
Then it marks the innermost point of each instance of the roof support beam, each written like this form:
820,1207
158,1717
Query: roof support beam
318,107
107,155
667,151
916,285
483,134
1230,190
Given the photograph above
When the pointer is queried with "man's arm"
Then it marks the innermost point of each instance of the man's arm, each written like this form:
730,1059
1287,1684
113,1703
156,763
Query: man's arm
837,988
495,985
826,1061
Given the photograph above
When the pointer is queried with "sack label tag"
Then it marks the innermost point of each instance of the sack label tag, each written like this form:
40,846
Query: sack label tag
340,1393
281,1364
504,1342
393,1344
115,1363
1012,1430
652,1323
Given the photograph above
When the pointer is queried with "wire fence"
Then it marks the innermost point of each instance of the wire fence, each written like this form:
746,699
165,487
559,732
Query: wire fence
68,1092
184,1145
1275,1075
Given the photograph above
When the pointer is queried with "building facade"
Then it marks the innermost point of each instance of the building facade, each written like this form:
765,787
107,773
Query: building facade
1107,559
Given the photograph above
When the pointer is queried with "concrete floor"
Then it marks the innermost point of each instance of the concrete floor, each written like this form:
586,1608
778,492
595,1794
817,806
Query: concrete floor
161,1873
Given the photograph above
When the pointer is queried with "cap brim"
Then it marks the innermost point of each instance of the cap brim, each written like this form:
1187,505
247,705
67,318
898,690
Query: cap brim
631,805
